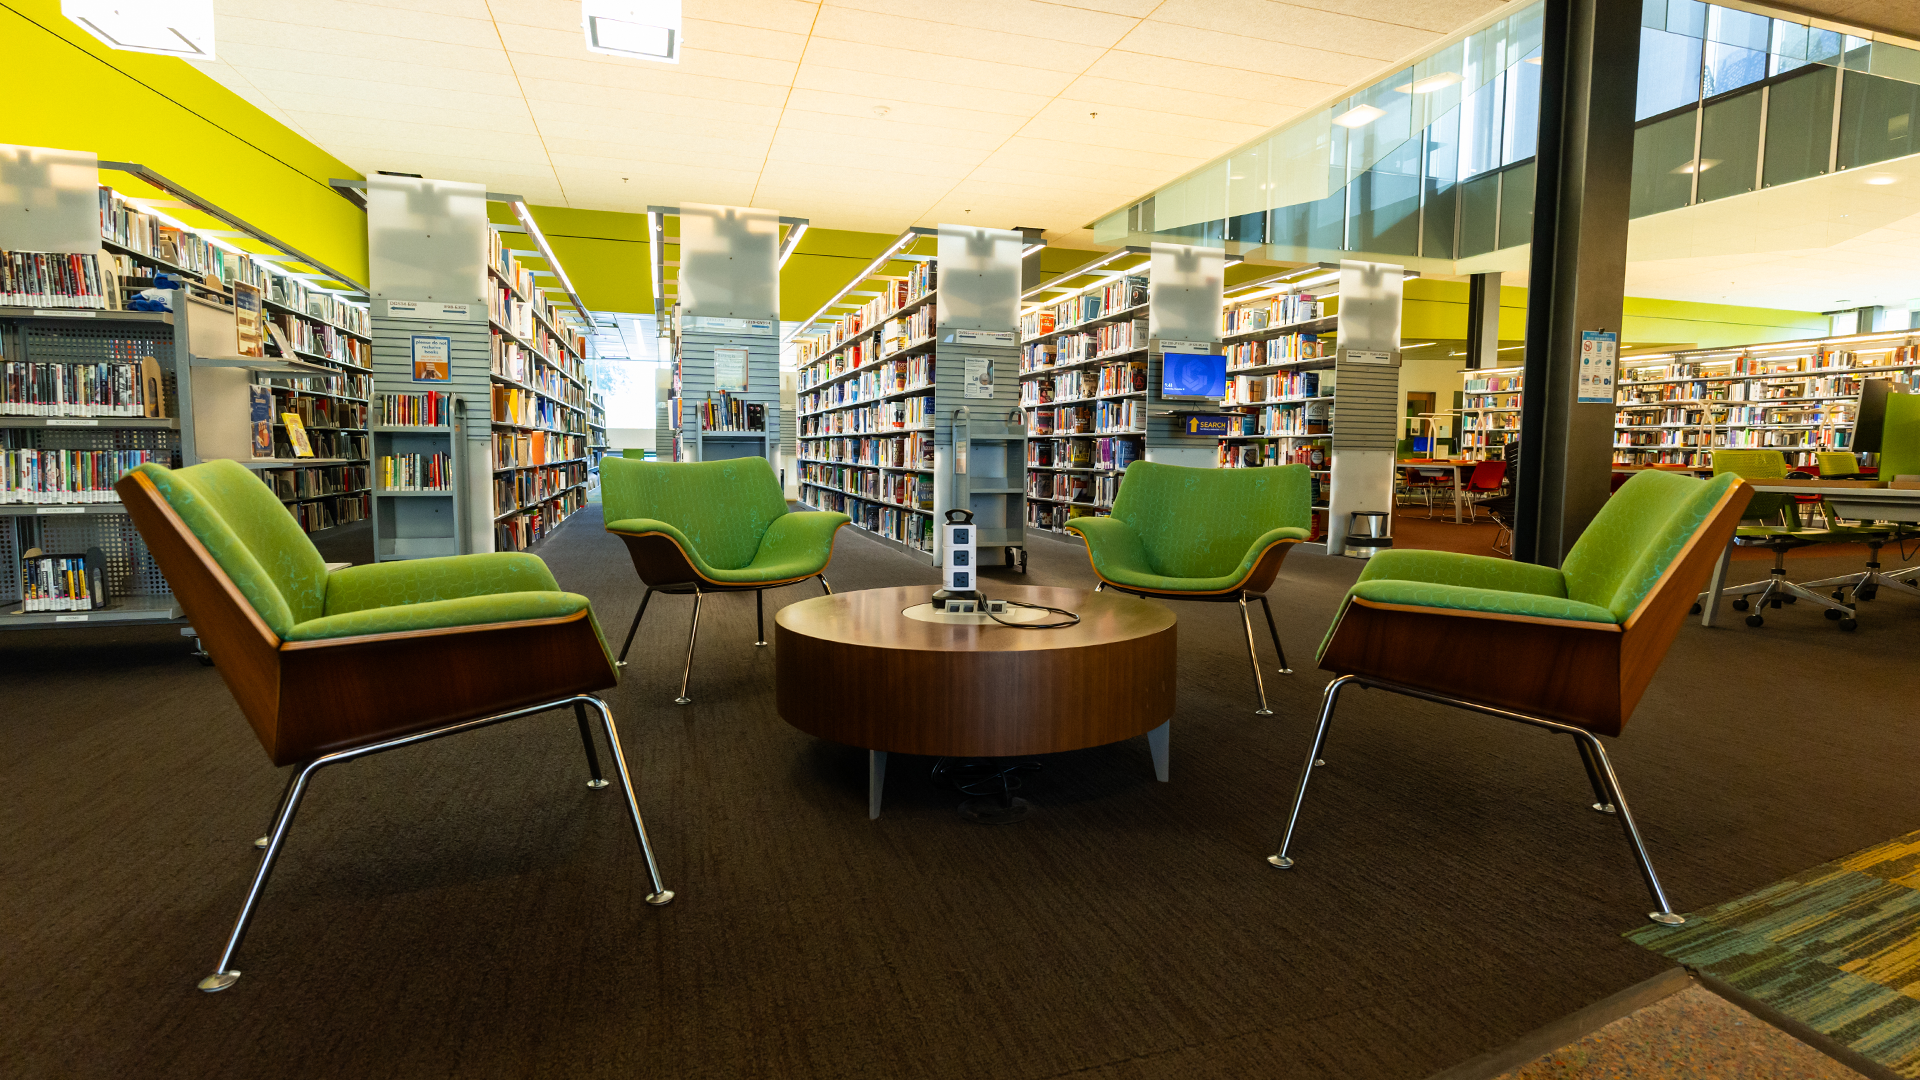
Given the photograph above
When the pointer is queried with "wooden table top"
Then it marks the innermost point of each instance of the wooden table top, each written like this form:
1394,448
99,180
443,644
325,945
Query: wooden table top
873,618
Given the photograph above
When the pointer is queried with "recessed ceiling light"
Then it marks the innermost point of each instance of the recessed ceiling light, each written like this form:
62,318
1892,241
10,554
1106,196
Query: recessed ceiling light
642,29
1359,116
168,27
1882,181
1705,164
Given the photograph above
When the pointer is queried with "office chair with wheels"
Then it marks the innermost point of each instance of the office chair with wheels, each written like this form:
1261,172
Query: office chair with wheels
1202,534
1776,589
333,667
698,528
1899,456
1574,647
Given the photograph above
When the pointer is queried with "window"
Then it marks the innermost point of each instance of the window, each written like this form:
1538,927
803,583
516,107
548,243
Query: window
1736,50
1669,72
1730,147
1876,119
1799,126
1662,166
1516,205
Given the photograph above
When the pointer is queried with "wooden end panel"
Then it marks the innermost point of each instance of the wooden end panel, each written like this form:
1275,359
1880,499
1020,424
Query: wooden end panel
1542,667
1267,567
975,703
1651,628
244,650
658,560
350,692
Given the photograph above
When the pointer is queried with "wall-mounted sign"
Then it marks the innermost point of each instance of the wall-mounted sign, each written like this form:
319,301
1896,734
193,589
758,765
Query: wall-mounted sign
1211,427
732,326
428,309
985,337
432,358
730,369
979,377
1599,357
1383,358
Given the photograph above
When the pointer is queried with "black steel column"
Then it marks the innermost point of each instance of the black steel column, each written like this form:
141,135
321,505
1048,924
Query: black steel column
1590,61
1483,320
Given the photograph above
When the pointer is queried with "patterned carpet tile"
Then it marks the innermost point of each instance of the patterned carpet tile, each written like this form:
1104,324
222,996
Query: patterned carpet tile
1836,947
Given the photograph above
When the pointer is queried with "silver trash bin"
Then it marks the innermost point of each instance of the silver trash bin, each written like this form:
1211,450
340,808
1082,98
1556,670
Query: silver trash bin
1369,532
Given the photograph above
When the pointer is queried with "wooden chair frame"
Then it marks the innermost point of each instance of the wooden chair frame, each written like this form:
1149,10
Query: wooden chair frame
664,567
319,703
1583,679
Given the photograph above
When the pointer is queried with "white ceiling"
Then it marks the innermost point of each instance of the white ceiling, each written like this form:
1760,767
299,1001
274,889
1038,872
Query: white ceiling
858,114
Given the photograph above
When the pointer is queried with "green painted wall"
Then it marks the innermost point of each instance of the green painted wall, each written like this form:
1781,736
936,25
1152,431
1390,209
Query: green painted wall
160,112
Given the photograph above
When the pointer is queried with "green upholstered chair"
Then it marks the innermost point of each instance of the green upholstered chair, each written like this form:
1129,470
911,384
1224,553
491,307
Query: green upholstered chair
708,527
1202,534
1569,649
332,667
1899,456
1776,527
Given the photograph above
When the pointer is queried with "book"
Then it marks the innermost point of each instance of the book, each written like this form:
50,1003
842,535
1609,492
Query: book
260,406
247,319
297,434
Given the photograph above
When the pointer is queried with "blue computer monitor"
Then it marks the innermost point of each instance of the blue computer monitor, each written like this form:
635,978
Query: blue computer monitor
1193,375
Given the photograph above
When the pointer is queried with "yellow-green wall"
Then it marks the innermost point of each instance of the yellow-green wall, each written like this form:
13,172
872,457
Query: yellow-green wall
70,92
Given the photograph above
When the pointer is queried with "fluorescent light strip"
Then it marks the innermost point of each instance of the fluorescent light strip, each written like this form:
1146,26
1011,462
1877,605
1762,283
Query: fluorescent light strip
794,232
1068,292
872,270
553,262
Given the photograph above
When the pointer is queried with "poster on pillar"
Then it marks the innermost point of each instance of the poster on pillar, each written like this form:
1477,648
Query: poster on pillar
1599,359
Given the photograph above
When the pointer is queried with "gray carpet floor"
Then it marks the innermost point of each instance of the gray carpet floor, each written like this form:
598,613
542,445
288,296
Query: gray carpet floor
468,908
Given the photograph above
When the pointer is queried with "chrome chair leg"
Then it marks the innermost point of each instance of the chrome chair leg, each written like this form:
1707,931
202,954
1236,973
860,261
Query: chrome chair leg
645,599
1258,682
1271,629
759,619
1100,586
586,740
224,974
824,585
660,895
1280,858
1601,803
692,635
261,843
1664,914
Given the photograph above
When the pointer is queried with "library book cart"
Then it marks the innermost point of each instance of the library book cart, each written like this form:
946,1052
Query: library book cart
906,405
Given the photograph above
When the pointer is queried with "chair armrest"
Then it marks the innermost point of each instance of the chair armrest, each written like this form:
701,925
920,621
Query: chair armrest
1468,571
461,611
1113,545
644,526
421,581
798,544
1482,601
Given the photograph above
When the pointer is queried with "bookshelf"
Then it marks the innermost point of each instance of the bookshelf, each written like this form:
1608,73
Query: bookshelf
1674,408
419,439
1489,411
90,389
596,429
1277,334
928,355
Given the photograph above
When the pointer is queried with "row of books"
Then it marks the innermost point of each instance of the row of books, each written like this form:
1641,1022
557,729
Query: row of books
345,509
51,280
852,358
1286,386
316,481
1314,417
911,490
524,488
319,413
902,415
895,294
900,333
1115,296
428,408
1285,349
518,449
112,388
63,582
525,408
1060,486
1492,384
913,450
1051,515
416,472
732,414
509,267
343,385
128,226
522,531
1283,309
66,477
323,339
912,528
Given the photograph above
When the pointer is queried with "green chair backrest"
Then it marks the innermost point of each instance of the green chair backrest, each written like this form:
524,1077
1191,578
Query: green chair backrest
1757,465
722,507
635,452
1837,463
1200,522
249,533
1900,438
1637,535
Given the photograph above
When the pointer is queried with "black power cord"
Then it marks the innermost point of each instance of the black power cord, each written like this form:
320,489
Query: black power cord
1071,618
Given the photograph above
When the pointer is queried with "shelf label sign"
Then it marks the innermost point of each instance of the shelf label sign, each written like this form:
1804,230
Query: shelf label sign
979,377
1599,357
432,358
984,337
72,423
428,309
61,510
737,326
1201,348
730,369
1364,356
1211,427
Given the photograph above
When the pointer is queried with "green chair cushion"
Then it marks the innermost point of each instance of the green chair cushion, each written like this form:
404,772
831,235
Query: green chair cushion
438,614
1120,557
794,546
249,533
719,509
1469,571
1490,601
424,581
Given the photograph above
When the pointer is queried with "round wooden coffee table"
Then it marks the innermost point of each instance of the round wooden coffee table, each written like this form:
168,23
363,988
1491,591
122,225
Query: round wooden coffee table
853,669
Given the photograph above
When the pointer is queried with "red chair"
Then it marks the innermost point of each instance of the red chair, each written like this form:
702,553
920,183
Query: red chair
1483,483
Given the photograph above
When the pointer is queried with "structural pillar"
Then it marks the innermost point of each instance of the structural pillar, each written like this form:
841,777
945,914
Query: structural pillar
1483,320
1590,59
